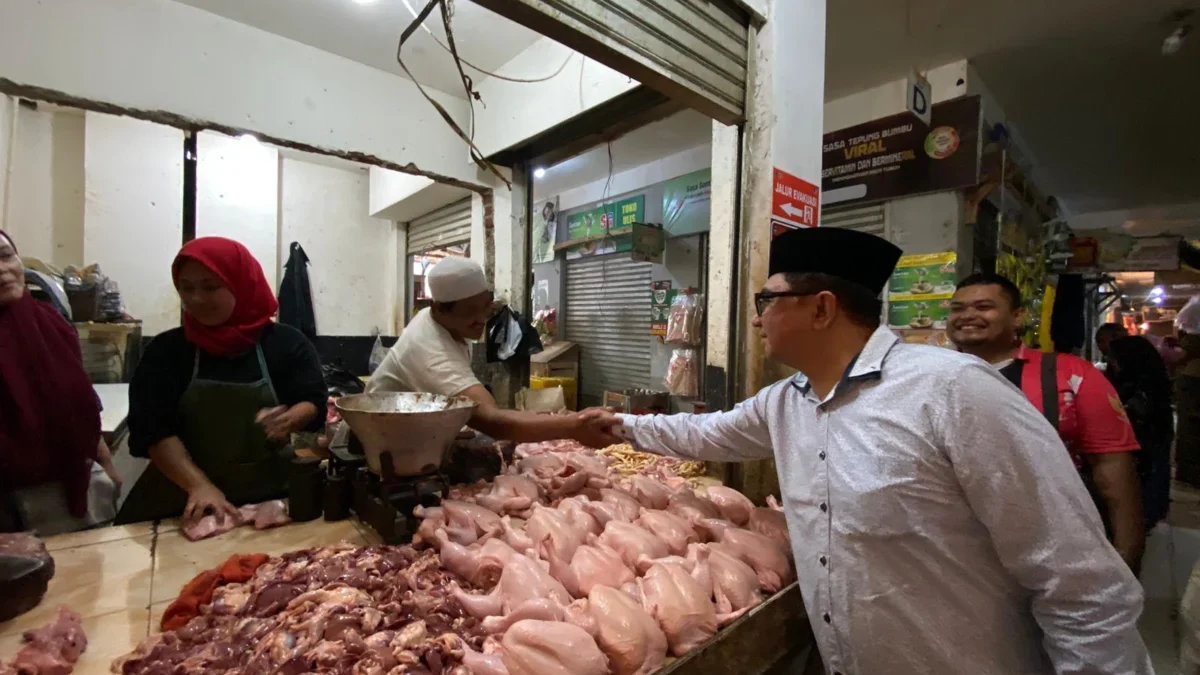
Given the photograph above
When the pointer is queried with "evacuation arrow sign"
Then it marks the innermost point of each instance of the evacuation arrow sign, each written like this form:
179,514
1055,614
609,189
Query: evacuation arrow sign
796,202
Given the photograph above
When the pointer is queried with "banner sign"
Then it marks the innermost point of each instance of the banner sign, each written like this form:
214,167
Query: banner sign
795,202
898,156
687,203
605,220
545,229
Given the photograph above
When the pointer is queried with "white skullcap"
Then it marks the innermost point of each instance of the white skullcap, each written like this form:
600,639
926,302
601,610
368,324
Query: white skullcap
455,279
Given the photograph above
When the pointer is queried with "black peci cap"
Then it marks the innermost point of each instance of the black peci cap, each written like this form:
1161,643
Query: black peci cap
859,257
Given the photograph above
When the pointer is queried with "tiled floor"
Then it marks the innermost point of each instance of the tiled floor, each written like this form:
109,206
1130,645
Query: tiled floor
1172,549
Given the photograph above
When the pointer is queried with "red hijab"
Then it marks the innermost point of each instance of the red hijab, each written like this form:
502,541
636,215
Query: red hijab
243,276
49,413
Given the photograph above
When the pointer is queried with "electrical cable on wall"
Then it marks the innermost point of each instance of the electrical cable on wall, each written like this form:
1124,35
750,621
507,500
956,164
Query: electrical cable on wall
468,85
518,80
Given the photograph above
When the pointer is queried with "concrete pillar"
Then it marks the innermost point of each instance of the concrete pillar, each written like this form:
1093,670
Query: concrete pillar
722,266
784,125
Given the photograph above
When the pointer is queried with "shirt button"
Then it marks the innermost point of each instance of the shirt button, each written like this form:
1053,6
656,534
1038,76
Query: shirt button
822,455
824,561
824,507
828,619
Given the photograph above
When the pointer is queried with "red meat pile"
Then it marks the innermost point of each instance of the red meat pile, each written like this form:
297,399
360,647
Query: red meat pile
338,609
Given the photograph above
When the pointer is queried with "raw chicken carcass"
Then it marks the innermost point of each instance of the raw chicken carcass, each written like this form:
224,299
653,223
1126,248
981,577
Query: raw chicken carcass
523,580
734,506
774,503
480,565
591,566
630,638
629,507
54,648
551,648
632,542
676,532
510,494
565,534
712,529
691,508
771,562
578,515
467,523
772,523
680,606
735,584
650,493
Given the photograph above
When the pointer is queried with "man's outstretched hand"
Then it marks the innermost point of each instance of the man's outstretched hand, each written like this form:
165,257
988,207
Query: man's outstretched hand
596,428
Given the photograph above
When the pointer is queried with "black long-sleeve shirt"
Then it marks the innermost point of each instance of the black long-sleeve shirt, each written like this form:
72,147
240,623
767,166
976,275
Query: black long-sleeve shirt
166,370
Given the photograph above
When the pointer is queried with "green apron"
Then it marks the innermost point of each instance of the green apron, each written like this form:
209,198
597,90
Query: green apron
218,428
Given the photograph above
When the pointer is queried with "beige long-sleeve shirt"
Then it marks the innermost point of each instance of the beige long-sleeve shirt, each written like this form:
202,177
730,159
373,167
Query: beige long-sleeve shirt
937,523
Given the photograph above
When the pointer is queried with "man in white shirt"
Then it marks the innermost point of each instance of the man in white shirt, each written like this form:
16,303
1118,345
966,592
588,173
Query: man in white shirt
937,523
433,356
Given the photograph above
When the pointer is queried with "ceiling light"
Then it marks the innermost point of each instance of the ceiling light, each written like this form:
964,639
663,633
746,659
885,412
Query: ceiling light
539,172
1156,291
248,139
364,2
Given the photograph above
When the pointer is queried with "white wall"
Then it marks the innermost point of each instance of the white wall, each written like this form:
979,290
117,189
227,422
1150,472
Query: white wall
352,255
403,196
237,196
671,166
948,81
7,112
162,55
516,112
133,214
45,208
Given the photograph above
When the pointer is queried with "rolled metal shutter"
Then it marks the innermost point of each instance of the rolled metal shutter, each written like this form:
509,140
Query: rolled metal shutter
691,50
608,316
444,227
871,219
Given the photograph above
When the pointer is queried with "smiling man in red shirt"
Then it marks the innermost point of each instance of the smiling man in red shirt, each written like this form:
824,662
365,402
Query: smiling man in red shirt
984,316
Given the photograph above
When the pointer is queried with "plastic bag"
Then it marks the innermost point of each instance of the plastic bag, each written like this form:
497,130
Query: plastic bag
684,322
510,336
1188,318
378,354
683,373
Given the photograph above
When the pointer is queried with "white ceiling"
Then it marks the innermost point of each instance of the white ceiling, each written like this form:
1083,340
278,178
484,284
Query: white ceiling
369,33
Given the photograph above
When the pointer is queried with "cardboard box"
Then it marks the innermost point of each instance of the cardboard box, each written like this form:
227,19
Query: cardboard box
638,401
559,359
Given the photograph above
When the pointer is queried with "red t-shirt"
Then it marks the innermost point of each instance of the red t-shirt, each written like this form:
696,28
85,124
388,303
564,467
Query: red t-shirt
1091,419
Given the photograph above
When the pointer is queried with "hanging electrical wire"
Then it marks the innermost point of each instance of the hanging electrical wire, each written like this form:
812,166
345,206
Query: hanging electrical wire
472,66
468,84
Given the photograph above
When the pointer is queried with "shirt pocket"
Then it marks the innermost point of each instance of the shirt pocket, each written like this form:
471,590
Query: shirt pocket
886,494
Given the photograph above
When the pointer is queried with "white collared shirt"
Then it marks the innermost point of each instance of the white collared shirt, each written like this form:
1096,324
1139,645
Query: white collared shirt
937,523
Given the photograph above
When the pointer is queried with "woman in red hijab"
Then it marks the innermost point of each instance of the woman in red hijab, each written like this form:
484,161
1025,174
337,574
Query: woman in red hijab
51,453
213,403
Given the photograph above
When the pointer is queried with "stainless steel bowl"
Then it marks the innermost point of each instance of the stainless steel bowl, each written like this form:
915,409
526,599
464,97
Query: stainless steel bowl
416,429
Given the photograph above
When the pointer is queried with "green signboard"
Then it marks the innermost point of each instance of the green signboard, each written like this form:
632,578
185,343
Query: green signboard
687,204
606,220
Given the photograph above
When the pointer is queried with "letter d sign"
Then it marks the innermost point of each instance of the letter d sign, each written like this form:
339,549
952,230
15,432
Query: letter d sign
920,98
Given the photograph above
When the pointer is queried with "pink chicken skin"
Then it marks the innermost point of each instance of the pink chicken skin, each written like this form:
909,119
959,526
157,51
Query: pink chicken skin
630,638
681,606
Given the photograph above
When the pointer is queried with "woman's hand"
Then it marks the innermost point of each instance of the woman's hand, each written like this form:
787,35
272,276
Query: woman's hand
208,498
276,422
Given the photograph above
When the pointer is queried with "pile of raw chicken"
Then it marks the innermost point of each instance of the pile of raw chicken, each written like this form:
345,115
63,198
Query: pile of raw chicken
561,565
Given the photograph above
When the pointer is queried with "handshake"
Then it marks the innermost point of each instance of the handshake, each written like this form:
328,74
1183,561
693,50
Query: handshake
597,427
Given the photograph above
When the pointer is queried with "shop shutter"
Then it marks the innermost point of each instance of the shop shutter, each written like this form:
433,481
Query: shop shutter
871,219
608,316
447,226
692,50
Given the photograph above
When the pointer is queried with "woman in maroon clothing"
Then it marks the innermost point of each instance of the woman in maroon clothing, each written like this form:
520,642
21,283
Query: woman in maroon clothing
49,416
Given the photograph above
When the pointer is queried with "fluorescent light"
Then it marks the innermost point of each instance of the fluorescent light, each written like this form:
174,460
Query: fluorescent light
1156,291
248,139
539,172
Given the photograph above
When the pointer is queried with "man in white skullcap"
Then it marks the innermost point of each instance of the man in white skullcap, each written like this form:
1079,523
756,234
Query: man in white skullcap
432,356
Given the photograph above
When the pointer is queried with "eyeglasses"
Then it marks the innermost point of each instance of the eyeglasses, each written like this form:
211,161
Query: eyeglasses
763,300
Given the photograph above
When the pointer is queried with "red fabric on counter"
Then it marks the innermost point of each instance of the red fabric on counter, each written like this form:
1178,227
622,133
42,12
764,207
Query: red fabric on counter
199,591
